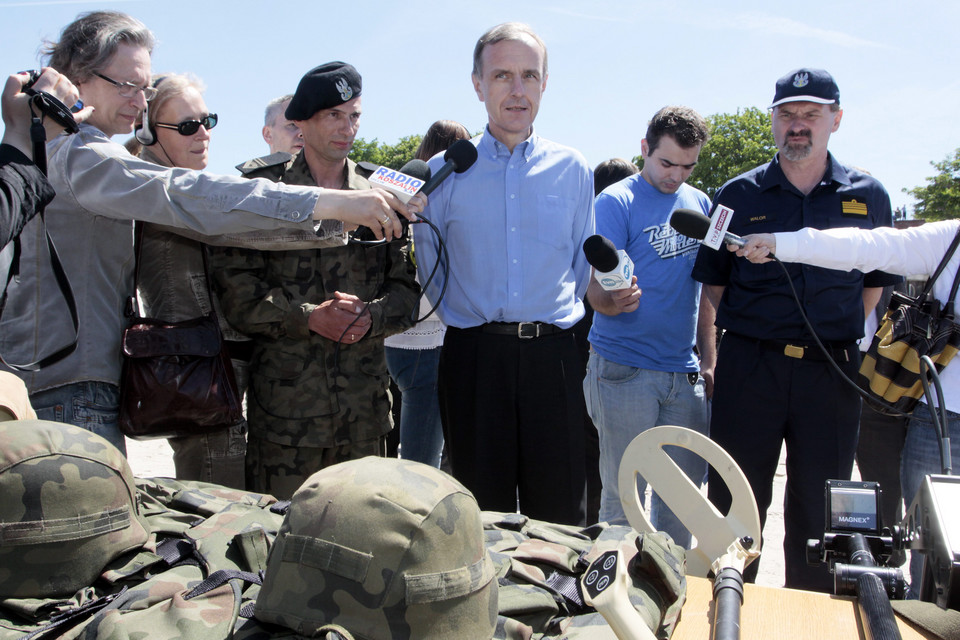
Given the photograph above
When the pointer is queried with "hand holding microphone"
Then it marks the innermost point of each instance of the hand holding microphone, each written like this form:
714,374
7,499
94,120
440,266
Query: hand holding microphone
755,248
758,248
613,270
402,185
415,178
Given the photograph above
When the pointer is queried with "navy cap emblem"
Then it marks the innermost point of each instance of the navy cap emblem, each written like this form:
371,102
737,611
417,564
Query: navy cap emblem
801,80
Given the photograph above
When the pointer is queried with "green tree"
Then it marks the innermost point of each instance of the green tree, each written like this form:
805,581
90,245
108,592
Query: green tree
939,199
738,142
393,156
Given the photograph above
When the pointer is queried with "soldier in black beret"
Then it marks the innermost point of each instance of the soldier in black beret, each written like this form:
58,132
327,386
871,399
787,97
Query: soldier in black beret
318,378
324,87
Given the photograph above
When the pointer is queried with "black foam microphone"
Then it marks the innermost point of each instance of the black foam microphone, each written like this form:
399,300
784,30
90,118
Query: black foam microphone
459,157
415,169
694,224
613,268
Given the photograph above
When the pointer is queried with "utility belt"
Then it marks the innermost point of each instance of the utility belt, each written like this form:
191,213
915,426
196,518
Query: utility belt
839,352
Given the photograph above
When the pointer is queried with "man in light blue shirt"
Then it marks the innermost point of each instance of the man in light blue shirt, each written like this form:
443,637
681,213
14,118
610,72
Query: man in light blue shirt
513,225
642,371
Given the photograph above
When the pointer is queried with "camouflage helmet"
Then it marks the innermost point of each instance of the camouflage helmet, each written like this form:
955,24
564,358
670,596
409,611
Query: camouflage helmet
68,507
386,549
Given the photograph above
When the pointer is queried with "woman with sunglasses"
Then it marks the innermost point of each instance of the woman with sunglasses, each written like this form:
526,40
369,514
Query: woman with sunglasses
172,280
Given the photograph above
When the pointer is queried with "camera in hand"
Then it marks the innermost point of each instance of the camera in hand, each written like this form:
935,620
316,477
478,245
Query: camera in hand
50,106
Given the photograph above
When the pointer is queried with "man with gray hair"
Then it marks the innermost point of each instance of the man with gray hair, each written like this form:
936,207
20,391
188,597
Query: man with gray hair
278,132
513,224
101,189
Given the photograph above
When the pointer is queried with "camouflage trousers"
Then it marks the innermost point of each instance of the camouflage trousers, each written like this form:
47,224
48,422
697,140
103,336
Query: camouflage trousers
279,469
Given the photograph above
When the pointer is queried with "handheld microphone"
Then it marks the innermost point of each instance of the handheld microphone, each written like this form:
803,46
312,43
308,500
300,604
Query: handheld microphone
614,269
403,184
459,157
694,224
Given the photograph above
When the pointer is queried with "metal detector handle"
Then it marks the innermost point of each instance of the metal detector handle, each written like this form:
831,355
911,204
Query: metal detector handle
605,586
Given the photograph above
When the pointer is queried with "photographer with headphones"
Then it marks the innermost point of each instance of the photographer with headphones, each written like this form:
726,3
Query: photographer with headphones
23,187
101,189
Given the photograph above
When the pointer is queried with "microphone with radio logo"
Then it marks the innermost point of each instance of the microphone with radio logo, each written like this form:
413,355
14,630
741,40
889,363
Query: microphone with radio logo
613,268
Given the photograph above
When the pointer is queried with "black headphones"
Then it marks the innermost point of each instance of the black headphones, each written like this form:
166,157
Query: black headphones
145,133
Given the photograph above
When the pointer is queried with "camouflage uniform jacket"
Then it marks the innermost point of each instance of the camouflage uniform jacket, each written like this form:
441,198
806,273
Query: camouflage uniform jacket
307,390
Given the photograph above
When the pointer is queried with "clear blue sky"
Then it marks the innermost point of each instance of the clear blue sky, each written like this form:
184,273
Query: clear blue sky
613,63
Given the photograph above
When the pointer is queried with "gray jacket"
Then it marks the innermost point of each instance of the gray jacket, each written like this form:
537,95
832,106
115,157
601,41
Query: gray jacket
173,284
100,189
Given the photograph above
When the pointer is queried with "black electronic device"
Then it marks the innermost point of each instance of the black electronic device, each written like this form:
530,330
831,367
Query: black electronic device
858,552
50,106
853,506
932,527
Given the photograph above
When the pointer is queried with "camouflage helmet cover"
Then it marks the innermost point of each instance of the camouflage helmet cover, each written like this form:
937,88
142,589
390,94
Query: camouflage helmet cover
385,548
68,507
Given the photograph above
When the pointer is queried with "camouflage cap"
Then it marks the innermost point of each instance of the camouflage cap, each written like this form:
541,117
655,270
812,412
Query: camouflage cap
69,507
386,549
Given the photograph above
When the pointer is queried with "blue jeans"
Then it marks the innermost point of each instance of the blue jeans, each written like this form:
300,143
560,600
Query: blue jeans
920,457
415,372
625,401
93,406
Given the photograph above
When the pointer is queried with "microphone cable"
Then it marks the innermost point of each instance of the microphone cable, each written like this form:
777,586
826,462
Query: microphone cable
877,405
442,262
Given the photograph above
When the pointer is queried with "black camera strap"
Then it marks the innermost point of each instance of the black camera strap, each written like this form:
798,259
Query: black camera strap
38,137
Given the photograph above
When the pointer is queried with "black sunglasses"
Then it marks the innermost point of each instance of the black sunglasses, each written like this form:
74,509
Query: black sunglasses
190,127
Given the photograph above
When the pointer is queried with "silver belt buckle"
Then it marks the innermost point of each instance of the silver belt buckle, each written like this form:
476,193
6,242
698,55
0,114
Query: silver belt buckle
526,336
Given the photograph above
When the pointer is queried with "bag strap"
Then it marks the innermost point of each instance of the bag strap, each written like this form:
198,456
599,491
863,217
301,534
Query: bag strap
953,289
132,310
60,623
928,286
38,137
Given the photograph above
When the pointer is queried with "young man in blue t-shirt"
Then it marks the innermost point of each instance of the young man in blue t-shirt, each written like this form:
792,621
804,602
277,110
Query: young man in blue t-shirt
642,370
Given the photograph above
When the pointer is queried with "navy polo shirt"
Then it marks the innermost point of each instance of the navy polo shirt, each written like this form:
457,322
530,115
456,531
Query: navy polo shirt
757,301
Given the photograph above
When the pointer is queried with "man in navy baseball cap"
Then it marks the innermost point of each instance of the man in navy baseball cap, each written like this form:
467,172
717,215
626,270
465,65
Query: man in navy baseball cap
806,85
767,353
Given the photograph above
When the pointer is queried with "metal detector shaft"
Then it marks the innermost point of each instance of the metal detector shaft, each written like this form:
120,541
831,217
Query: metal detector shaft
879,622
727,598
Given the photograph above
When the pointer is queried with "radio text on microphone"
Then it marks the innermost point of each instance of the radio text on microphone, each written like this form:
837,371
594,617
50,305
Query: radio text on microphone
395,181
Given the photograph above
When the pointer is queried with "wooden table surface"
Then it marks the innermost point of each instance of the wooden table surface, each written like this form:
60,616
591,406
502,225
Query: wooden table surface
770,613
